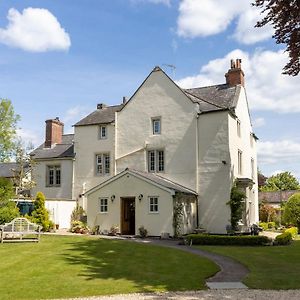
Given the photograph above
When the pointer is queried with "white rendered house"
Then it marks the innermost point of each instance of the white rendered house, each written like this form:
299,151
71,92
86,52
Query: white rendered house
166,150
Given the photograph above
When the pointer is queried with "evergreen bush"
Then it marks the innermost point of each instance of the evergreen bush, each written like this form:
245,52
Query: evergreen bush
284,238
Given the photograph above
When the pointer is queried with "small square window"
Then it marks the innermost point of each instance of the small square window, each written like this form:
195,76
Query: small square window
156,126
103,132
103,205
153,204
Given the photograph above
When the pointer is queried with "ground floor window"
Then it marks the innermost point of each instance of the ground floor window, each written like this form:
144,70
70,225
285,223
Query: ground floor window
153,204
103,205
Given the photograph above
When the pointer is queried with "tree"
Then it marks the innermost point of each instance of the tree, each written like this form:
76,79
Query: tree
284,16
8,208
8,126
40,214
291,214
267,213
281,182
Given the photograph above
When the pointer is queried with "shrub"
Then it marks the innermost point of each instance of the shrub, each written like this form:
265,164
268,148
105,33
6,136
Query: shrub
8,212
267,213
284,238
205,239
293,231
78,214
78,227
143,232
271,225
40,214
114,230
291,213
263,225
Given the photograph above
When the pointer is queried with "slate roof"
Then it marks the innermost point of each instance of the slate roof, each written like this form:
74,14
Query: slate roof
6,169
63,150
105,115
214,98
155,178
163,181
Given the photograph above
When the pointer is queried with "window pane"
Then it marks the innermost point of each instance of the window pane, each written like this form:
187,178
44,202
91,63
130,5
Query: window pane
151,161
57,176
51,176
103,132
107,163
153,204
156,126
161,164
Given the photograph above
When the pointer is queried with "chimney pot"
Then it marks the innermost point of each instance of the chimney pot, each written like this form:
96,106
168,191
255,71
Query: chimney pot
124,99
235,74
100,105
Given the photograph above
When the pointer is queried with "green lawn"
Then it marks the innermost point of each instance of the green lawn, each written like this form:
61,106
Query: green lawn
276,267
74,266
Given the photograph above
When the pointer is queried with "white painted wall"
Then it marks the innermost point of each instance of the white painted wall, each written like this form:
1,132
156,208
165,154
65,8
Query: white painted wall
214,175
243,143
131,186
86,145
64,191
60,211
158,97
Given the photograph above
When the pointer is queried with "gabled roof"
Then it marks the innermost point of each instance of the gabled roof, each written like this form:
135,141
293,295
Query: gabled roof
215,98
7,169
105,115
63,150
151,178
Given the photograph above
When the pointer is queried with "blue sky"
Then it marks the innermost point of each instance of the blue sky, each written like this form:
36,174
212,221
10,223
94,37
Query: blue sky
61,58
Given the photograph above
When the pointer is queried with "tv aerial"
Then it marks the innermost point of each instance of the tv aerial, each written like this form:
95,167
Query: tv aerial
172,67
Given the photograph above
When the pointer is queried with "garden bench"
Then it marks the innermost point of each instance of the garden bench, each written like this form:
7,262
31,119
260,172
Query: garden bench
20,230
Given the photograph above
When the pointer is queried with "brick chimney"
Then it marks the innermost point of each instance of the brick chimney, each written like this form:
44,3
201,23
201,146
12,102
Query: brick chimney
54,132
235,74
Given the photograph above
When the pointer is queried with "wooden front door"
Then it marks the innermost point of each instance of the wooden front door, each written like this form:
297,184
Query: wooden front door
128,215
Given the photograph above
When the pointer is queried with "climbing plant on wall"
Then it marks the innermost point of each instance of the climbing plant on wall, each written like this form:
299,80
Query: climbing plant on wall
177,216
236,203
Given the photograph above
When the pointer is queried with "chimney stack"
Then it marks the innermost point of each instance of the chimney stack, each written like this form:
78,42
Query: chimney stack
100,105
54,132
235,74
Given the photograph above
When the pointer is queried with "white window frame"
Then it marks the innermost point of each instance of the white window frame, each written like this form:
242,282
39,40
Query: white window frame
56,176
240,162
104,163
103,205
103,135
153,204
238,128
156,161
156,130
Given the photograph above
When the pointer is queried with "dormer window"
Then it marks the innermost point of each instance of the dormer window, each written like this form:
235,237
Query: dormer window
156,126
103,132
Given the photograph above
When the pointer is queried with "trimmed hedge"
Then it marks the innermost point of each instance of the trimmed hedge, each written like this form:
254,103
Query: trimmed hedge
293,231
206,239
284,238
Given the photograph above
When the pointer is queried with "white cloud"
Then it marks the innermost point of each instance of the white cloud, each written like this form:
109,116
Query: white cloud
258,122
267,88
35,30
200,18
283,151
29,136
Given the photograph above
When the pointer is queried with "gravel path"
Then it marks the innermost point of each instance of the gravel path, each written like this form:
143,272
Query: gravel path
206,295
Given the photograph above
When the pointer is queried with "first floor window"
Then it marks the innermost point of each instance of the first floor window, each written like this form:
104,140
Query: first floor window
103,205
156,161
240,162
102,164
153,204
53,176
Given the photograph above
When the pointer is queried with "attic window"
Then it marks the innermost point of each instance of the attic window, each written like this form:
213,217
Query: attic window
156,126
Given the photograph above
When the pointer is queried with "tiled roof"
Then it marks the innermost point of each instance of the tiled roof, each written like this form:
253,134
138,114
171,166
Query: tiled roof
214,98
63,150
7,169
104,115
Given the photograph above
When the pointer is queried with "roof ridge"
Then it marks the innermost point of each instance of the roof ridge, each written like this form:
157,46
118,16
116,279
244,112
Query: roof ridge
206,86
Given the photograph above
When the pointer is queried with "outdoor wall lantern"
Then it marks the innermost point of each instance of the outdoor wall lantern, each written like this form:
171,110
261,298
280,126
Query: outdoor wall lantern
112,198
140,197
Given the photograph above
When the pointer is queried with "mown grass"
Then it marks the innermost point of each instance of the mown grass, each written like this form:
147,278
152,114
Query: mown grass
276,267
61,267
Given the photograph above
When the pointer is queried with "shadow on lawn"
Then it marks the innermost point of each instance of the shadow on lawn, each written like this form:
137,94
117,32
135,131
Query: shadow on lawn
149,267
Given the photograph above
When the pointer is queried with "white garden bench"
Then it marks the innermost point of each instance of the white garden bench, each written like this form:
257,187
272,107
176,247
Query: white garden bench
20,230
